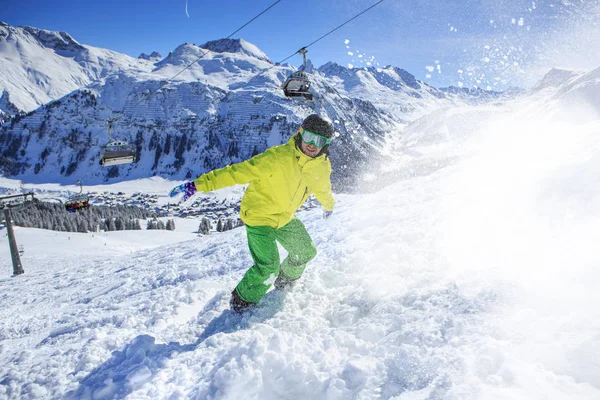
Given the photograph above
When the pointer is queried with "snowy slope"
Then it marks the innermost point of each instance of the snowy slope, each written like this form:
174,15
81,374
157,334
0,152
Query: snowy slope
581,92
470,279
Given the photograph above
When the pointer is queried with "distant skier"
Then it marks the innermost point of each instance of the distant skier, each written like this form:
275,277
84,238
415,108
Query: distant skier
281,179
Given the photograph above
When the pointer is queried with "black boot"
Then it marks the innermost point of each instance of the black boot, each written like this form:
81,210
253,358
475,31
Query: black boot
282,283
238,304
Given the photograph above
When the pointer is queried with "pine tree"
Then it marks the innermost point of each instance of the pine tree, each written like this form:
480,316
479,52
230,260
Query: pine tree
81,228
205,226
170,225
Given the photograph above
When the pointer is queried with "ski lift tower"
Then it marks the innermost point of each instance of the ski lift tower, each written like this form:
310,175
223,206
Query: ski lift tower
8,203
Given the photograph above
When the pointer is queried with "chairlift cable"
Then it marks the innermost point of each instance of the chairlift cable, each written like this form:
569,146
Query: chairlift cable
322,37
110,123
192,63
339,26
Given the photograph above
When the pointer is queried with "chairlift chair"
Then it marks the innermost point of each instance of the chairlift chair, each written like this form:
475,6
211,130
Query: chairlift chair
116,151
298,84
78,201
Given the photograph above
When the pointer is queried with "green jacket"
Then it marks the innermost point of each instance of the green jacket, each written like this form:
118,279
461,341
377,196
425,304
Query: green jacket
281,179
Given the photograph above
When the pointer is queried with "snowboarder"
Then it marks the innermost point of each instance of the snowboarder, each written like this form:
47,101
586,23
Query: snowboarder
281,179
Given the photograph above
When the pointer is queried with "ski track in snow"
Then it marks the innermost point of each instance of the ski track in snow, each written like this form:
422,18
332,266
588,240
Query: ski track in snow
445,285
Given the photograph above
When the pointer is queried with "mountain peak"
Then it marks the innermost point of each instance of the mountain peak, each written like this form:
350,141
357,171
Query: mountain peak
182,55
61,41
154,56
235,46
333,68
405,76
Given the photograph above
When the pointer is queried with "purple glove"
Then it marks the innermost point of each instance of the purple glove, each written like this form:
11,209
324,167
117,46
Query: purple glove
188,189
326,214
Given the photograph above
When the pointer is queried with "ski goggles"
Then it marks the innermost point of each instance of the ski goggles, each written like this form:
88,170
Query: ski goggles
309,137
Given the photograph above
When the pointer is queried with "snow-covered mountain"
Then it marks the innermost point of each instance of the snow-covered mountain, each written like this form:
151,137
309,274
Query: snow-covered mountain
391,89
38,66
225,107
475,95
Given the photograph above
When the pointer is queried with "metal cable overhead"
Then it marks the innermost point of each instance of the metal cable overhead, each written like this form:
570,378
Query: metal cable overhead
322,37
113,120
145,98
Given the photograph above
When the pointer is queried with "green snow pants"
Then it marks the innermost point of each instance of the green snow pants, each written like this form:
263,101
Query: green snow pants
262,241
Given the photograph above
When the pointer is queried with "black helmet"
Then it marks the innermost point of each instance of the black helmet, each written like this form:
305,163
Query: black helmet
319,125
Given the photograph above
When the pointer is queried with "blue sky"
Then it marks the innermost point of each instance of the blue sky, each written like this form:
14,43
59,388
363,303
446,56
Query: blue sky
488,43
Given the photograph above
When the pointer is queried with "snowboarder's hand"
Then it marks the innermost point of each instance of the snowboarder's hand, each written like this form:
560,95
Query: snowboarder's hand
326,214
188,189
